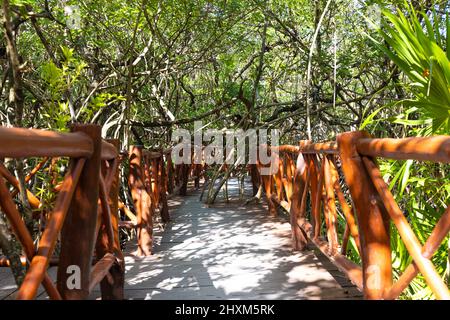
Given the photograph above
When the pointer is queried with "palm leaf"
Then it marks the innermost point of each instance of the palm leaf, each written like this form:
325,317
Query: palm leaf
416,50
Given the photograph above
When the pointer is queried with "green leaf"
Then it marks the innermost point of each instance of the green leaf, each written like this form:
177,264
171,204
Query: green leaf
447,24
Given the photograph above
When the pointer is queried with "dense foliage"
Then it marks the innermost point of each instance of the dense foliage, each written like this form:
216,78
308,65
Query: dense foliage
142,68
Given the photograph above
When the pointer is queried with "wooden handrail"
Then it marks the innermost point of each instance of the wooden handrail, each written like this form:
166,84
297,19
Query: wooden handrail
40,261
410,240
92,186
109,152
436,149
151,154
323,147
316,174
93,175
147,182
26,143
283,148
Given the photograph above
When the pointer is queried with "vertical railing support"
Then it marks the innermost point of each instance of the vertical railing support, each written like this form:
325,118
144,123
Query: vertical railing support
289,180
184,177
197,173
373,220
278,177
142,202
317,183
267,182
330,205
177,175
255,179
113,290
299,237
155,181
147,174
163,196
78,232
170,173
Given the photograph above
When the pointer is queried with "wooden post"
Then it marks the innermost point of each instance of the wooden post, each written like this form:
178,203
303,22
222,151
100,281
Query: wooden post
278,177
197,172
163,196
373,220
154,181
184,177
299,237
177,177
291,165
142,202
150,184
289,180
78,232
113,290
346,209
255,178
317,198
147,174
330,206
345,239
267,181
170,174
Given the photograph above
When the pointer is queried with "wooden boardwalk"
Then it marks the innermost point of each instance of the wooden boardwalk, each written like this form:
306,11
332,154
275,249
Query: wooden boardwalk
228,251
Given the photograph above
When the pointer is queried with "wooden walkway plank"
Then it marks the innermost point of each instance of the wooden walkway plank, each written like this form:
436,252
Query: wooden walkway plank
8,287
228,251
7,284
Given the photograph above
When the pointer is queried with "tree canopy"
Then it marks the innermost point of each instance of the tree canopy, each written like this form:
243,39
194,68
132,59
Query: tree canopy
140,68
310,68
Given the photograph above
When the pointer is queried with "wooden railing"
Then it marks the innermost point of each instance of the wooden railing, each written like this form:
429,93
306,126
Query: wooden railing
148,182
84,215
368,207
152,177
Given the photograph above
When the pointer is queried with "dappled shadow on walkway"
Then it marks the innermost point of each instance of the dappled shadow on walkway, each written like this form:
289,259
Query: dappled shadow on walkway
227,251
